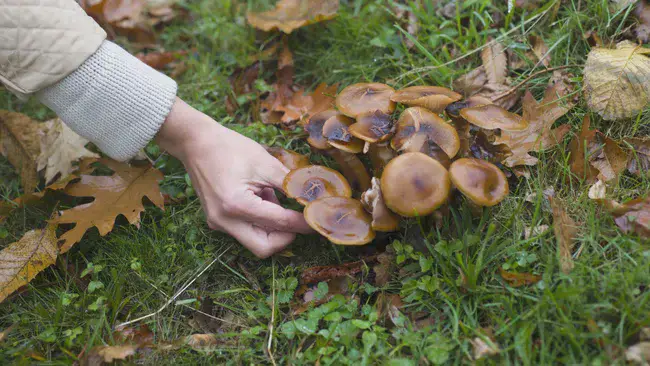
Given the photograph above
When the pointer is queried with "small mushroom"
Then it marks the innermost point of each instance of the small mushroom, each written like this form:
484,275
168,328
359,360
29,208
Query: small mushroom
480,181
453,110
434,98
491,117
383,219
375,126
342,220
314,127
430,148
336,131
291,159
362,98
417,120
380,154
353,169
312,182
414,184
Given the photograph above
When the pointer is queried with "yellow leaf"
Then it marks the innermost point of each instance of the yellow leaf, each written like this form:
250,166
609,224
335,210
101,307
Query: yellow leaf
118,194
21,261
290,15
20,144
617,81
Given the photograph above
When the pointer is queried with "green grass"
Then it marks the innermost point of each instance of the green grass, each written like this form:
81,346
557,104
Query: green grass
586,317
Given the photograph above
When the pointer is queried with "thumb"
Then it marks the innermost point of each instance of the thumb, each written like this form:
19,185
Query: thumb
276,173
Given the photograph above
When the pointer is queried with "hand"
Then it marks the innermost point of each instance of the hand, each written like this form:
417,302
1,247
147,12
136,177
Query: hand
234,178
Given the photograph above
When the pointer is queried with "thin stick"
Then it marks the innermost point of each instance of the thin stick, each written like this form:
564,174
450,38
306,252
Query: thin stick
533,75
270,343
173,298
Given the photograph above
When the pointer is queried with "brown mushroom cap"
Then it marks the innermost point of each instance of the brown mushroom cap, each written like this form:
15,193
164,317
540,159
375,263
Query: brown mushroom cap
417,120
352,168
491,117
430,148
336,131
414,184
434,98
479,180
373,127
380,155
291,159
362,98
342,220
314,126
312,182
453,110
383,219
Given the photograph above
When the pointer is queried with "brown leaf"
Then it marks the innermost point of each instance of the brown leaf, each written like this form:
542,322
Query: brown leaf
540,50
483,349
117,194
20,144
384,268
60,148
495,62
300,106
290,15
471,83
634,216
324,273
565,232
639,163
610,160
140,335
538,136
161,59
516,279
241,82
500,94
335,286
107,354
388,308
642,12
21,261
202,342
409,21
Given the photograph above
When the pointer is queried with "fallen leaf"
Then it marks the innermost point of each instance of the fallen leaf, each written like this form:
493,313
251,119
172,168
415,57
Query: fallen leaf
610,160
335,286
540,50
159,60
639,162
388,309
20,144
117,194
139,335
290,15
107,354
516,279
483,349
565,229
21,261
384,268
638,353
60,148
495,62
202,342
324,273
642,13
617,81
241,82
634,216
470,83
597,191
4,333
409,21
538,136
301,106
534,231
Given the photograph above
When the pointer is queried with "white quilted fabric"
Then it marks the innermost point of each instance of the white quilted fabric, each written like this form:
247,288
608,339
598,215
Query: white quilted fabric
43,41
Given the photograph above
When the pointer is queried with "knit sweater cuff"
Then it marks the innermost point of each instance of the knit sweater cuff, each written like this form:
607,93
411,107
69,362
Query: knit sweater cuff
114,100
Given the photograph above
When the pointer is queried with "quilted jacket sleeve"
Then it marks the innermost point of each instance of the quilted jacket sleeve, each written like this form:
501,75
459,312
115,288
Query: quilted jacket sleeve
43,41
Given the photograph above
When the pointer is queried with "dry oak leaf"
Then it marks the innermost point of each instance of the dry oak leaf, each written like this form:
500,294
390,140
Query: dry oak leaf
60,147
117,194
101,355
516,279
617,81
495,62
565,232
20,144
538,136
21,261
290,15
639,162
634,216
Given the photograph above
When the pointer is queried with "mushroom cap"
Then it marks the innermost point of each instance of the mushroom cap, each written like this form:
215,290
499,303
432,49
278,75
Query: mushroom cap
430,148
480,181
383,219
314,126
413,184
491,117
291,159
434,98
312,182
380,155
453,110
342,220
373,127
336,131
352,168
417,120
362,98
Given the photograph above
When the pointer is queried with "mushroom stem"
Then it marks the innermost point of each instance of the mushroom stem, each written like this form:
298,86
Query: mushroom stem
380,155
353,169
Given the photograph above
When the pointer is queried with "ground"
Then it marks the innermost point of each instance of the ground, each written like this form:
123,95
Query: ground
449,274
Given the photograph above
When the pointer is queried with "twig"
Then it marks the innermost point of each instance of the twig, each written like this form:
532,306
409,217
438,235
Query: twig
173,298
270,343
531,76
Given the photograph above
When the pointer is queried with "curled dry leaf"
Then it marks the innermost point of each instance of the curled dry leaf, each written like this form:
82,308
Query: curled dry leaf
642,13
161,59
21,261
101,355
538,136
565,232
633,216
516,279
202,342
483,348
117,194
290,15
617,81
638,353
20,144
471,83
639,161
495,62
324,273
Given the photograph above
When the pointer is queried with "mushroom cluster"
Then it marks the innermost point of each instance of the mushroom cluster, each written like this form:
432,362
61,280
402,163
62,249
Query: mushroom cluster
417,160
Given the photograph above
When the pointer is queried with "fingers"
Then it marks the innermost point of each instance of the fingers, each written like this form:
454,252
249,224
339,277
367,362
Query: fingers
259,241
271,215
276,173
